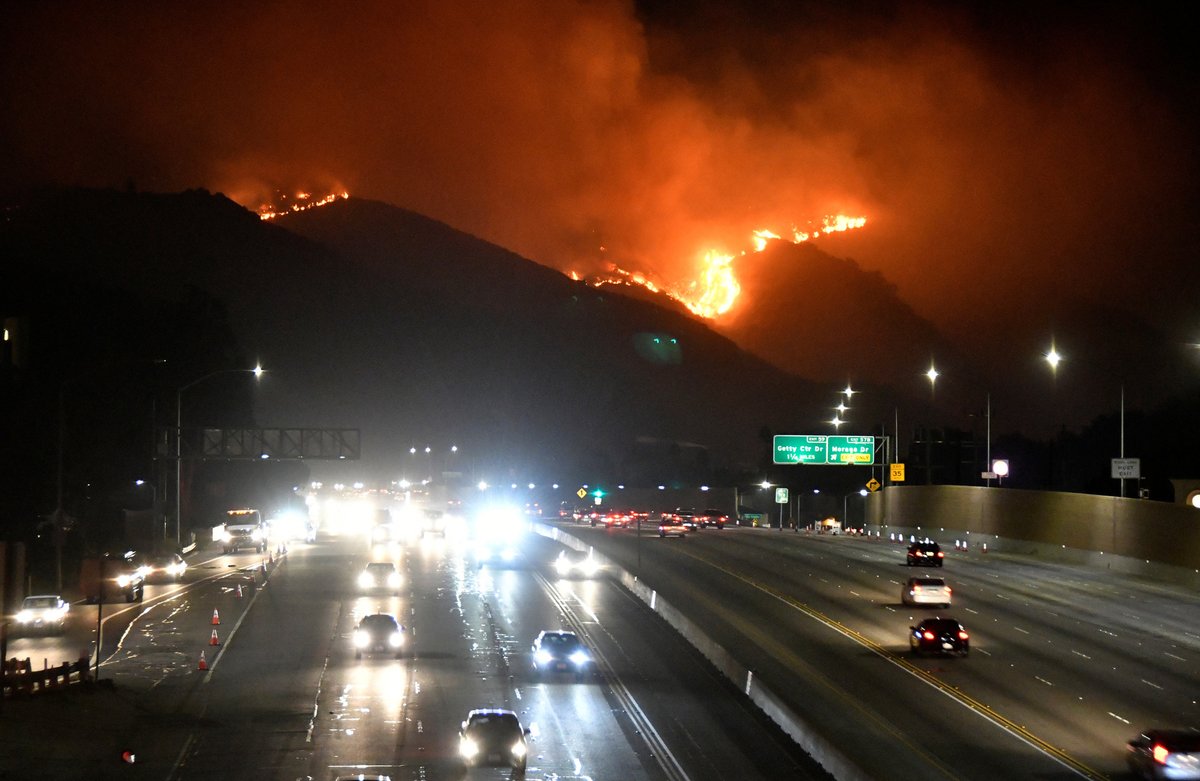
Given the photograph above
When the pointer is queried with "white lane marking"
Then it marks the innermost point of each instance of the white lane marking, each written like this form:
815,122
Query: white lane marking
1105,631
1155,685
1080,653
1022,631
1043,680
1173,656
969,610
1118,718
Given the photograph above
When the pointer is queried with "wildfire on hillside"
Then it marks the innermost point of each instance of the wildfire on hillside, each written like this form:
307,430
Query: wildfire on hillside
301,201
715,289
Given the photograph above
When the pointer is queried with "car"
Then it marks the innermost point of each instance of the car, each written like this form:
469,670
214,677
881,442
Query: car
496,553
165,566
943,636
712,517
1165,754
925,591
493,737
43,613
616,518
576,563
560,651
925,554
379,632
671,527
433,522
379,576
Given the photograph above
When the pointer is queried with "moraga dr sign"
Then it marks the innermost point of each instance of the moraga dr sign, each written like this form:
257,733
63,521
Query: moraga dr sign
817,449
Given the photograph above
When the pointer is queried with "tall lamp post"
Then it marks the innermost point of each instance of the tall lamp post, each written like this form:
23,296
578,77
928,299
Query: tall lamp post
846,509
932,375
257,371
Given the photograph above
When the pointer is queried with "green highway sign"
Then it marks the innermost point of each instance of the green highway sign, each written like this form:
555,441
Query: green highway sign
820,449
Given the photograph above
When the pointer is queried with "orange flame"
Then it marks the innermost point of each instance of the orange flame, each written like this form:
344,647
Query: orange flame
302,201
716,289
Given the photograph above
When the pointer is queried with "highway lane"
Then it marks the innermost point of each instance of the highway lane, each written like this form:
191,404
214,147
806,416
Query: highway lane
1077,658
285,698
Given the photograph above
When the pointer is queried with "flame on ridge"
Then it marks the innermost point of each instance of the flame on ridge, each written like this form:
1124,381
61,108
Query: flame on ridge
716,289
301,201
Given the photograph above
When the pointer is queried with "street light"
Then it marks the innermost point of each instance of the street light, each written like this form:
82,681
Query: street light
153,503
933,374
845,507
257,371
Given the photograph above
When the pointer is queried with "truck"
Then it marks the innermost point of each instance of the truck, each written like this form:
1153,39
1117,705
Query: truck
243,529
103,578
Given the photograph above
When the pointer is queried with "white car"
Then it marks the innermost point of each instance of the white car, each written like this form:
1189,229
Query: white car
925,591
43,613
380,576
575,564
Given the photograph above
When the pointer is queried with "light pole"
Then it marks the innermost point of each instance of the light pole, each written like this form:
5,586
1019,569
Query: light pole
153,503
845,507
932,375
257,371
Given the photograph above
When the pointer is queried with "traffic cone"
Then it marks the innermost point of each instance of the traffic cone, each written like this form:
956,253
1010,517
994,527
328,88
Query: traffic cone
214,640
203,664
127,757
216,618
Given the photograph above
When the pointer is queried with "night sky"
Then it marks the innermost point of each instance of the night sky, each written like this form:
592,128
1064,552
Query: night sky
1012,160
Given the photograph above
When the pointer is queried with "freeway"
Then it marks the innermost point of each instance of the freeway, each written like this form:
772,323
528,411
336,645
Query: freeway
284,697
1067,662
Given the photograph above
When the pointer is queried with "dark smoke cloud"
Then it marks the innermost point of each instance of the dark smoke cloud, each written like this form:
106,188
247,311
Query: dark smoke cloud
1004,159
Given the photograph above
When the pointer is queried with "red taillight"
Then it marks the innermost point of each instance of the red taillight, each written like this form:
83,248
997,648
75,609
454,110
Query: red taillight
916,590
962,635
941,555
947,589
927,635
1160,753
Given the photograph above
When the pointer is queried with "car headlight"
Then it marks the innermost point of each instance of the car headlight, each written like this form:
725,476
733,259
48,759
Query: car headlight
124,580
366,581
394,580
542,656
518,749
467,747
256,535
361,639
24,616
589,566
580,658
396,640
562,566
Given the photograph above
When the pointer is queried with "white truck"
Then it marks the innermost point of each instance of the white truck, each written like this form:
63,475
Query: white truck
243,529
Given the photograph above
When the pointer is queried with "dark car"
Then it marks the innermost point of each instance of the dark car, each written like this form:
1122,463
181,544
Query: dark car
671,527
925,554
713,517
491,737
943,636
379,632
560,651
1165,754
684,515
165,566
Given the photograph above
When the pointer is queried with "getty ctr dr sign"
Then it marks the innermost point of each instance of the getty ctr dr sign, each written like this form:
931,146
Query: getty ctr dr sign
818,449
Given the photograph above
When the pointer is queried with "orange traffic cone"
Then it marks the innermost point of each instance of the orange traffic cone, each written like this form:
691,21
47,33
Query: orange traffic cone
216,618
203,664
214,640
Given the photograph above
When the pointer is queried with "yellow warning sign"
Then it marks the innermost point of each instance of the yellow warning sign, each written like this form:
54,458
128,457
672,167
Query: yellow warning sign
872,485
897,473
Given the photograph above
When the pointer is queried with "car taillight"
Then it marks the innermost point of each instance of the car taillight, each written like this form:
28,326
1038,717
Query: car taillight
927,635
940,555
947,589
916,590
962,635
1160,753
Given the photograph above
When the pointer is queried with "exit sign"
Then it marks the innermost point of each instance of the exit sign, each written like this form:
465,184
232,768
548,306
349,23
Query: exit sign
820,449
